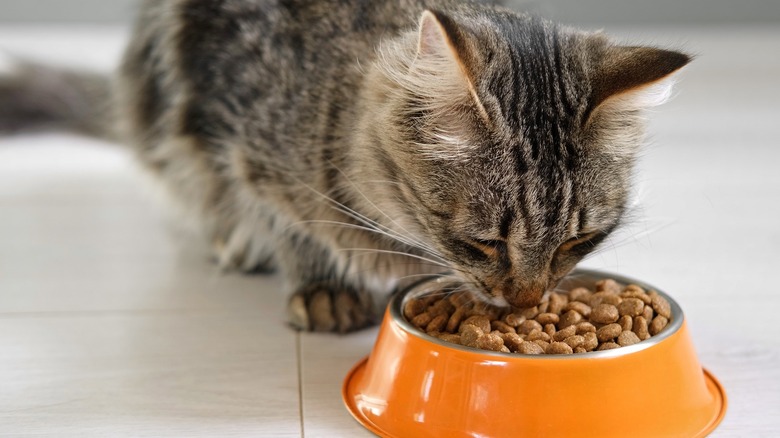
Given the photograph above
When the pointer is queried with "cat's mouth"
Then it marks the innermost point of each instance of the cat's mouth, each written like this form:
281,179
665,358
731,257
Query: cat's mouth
511,293
524,294
524,297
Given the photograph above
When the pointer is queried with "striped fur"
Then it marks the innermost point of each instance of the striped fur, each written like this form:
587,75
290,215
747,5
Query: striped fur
356,145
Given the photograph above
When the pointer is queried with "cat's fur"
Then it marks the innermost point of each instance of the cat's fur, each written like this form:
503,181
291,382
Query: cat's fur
356,144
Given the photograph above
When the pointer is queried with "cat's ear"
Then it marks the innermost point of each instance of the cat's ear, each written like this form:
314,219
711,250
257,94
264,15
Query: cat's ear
440,37
444,51
635,77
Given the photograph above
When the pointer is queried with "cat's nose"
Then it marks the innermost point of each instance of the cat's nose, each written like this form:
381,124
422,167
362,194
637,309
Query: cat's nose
523,294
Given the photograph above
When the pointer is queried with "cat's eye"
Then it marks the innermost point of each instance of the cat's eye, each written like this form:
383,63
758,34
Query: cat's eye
583,244
489,247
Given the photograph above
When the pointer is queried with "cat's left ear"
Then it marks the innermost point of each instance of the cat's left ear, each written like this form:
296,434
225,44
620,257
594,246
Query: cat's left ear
628,78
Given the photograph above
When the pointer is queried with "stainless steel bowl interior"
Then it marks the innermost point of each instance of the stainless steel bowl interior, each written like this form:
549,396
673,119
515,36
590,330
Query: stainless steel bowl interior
578,277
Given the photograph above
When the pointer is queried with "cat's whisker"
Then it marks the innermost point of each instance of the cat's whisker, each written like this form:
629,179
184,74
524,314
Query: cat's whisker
364,219
635,237
444,275
383,229
345,225
354,226
359,227
406,277
393,221
376,226
384,181
387,251
431,274
407,240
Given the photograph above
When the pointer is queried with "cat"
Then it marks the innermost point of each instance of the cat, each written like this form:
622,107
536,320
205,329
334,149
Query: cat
355,146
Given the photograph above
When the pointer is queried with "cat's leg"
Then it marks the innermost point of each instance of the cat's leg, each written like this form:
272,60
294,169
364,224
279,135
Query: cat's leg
248,246
324,296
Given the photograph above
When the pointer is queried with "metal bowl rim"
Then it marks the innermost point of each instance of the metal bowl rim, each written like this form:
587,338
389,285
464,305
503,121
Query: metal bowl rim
397,302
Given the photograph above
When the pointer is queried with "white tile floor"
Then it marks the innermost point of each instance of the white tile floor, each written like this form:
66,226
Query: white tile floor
110,325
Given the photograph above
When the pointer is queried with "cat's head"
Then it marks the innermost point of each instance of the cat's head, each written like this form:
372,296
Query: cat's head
510,141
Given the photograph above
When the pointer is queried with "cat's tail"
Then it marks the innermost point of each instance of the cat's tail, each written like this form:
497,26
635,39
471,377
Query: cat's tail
34,97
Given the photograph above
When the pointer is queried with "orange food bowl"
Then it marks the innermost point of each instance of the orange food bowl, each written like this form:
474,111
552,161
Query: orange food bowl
414,385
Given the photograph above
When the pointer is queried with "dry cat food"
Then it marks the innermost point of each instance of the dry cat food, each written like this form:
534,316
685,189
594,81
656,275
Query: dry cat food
579,321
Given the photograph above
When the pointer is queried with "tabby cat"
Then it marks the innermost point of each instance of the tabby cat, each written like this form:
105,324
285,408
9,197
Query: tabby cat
356,145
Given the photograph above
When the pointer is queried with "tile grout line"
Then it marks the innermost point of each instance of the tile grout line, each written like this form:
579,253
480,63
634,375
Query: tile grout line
298,357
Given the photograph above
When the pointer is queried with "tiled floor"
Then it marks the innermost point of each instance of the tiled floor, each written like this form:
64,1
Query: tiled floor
112,324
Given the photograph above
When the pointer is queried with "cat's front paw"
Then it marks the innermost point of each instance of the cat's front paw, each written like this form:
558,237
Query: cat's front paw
323,308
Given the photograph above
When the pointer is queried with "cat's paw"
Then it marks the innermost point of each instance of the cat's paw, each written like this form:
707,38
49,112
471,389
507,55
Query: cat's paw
322,308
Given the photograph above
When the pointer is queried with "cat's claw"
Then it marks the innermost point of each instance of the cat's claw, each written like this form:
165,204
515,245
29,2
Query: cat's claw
297,314
324,309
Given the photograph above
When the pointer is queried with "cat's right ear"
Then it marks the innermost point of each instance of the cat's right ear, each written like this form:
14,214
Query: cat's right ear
441,39
444,50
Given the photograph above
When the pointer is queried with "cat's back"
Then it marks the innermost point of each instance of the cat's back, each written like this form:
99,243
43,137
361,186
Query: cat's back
266,64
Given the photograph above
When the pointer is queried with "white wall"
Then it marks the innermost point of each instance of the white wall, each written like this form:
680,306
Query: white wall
720,12
12,11
571,11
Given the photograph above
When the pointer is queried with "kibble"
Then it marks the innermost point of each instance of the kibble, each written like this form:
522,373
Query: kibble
541,343
557,303
658,324
585,327
648,313
591,341
422,320
437,324
640,328
660,305
548,318
575,341
605,314
607,346
530,312
537,334
441,307
580,321
550,329
512,341
480,321
608,285
608,332
580,294
514,319
565,333
579,307
626,322
627,338
469,335
569,318
490,342
413,308
451,338
530,348
634,291
604,297
456,318
502,327
559,348
528,326
631,307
